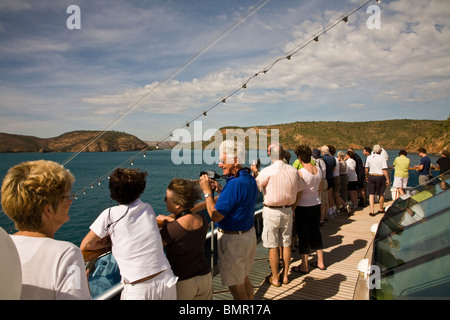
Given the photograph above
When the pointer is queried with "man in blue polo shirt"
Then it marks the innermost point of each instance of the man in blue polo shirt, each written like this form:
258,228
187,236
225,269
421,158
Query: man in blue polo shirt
233,214
424,167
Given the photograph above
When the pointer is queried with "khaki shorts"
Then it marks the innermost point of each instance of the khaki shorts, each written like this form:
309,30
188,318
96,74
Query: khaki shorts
195,288
277,229
236,255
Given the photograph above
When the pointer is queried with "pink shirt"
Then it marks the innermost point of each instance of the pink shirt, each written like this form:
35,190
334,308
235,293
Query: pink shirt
279,184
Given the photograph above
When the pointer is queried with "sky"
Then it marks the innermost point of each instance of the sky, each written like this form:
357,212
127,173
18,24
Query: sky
55,79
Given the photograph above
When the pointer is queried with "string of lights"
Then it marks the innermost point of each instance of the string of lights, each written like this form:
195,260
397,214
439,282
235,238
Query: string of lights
205,48
242,86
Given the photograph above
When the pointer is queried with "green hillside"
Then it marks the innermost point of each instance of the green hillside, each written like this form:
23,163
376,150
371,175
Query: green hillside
433,135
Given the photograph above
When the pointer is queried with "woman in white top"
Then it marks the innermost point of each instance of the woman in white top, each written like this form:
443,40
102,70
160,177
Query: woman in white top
132,229
35,195
307,212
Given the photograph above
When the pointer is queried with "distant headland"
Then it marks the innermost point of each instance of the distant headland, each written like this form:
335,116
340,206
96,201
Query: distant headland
71,142
433,135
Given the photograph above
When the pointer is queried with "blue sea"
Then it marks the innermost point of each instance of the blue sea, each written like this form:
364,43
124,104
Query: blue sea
89,166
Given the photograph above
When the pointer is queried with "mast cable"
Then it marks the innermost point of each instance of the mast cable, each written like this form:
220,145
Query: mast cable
233,26
264,71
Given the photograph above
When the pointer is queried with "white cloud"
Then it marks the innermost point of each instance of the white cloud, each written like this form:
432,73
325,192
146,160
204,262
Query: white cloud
123,51
348,56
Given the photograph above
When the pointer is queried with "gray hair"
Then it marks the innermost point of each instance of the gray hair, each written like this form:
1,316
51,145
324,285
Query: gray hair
376,148
233,150
276,151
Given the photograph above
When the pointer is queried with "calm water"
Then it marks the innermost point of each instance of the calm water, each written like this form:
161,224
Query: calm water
87,167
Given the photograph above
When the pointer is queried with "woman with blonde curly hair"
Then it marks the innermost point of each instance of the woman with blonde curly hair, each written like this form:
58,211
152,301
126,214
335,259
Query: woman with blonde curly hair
36,196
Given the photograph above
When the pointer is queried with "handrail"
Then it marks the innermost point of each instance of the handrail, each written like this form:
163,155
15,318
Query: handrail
92,256
89,255
414,168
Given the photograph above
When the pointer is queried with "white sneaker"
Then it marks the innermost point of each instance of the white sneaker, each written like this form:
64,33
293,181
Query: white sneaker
330,214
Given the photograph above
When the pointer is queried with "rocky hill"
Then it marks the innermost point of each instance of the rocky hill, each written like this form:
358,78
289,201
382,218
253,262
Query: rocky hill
71,142
433,135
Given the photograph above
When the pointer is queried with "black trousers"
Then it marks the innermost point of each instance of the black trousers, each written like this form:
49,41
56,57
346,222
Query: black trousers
307,225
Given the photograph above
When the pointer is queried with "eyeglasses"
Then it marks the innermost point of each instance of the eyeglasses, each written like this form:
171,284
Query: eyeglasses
71,197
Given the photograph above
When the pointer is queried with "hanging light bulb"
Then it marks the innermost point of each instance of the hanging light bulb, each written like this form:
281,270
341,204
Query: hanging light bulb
244,86
224,101
316,39
187,125
288,57
345,19
99,182
144,154
131,162
204,114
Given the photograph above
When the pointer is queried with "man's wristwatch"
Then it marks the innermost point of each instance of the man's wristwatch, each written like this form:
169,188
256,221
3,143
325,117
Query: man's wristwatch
208,195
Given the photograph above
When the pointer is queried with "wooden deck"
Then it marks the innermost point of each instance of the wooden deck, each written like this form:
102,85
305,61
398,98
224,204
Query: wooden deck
346,241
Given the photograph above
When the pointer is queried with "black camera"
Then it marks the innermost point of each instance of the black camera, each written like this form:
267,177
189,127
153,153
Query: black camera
211,174
257,163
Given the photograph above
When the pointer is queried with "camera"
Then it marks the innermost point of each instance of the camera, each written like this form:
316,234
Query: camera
257,163
211,174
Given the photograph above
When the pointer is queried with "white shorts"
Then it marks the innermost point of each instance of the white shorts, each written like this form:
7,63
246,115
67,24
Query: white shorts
400,182
161,287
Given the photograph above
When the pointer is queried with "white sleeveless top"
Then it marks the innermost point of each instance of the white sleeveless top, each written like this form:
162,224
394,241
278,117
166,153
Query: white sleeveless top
136,241
310,195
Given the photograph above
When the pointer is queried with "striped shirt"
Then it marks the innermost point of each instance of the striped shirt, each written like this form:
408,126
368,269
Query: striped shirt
279,184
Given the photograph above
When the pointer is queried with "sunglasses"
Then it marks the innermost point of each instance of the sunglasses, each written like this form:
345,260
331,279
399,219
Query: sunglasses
71,197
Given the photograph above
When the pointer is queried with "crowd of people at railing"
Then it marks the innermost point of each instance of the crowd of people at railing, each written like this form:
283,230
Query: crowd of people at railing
298,200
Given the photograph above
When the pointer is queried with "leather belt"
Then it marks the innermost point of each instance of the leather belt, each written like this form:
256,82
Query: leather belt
278,207
232,232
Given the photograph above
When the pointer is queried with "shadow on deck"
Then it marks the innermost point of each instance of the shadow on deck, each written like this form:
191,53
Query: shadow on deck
346,241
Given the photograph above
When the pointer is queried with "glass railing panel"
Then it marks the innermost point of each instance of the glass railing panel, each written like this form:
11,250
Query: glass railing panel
413,242
427,280
397,218
434,186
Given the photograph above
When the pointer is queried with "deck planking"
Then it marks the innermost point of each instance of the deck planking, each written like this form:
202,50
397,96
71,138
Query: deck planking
346,241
